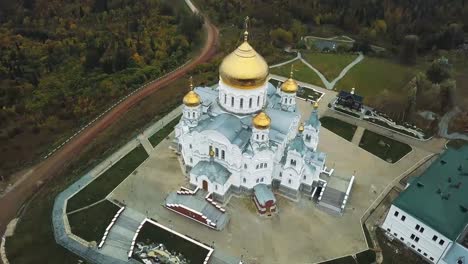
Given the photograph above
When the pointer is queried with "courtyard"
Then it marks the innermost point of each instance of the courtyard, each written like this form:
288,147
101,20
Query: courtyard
300,233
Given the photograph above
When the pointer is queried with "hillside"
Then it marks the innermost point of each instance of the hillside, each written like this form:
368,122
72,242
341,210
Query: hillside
63,62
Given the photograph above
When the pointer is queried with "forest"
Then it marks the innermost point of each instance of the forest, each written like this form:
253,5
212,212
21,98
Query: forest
438,23
64,61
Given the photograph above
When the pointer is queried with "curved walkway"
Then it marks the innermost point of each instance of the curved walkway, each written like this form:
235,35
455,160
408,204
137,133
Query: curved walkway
444,123
288,61
326,83
331,85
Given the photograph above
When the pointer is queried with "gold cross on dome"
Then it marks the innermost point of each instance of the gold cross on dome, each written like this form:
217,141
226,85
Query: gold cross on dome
191,83
246,27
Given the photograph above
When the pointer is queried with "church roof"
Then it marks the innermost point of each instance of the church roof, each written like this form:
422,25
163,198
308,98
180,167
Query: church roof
281,120
297,144
228,125
313,119
213,170
263,194
438,197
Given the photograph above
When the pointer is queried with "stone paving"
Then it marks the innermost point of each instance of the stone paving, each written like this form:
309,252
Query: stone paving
301,233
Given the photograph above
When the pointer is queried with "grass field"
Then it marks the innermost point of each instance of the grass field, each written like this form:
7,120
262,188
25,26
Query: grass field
372,76
91,223
301,73
164,132
339,127
383,147
329,64
106,182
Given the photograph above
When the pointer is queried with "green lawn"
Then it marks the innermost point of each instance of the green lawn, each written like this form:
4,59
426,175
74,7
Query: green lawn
372,76
329,64
90,224
383,147
163,132
342,129
106,182
301,73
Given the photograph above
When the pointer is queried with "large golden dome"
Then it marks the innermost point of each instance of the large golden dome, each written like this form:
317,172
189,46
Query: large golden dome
244,68
261,121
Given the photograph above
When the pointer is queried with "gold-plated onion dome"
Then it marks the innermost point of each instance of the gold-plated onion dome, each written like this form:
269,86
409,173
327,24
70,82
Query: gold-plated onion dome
301,128
316,105
290,85
261,121
191,98
244,68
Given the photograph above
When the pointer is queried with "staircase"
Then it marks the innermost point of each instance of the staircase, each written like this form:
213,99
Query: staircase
120,236
332,200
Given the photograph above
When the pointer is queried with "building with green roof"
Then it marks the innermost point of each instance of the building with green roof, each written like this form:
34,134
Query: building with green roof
431,214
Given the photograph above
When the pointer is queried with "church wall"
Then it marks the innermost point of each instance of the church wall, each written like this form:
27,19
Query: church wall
226,93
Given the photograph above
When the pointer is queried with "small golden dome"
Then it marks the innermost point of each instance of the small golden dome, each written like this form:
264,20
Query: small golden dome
192,99
244,68
316,105
261,121
290,85
301,128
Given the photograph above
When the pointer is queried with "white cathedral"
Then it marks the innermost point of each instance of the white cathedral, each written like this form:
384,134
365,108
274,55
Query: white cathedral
245,131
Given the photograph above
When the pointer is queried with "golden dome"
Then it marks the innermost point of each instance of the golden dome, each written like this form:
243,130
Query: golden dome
290,85
261,121
192,99
244,68
316,105
301,128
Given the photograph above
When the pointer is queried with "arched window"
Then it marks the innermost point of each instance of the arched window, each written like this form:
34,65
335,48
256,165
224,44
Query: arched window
193,114
263,137
191,160
232,101
225,98
258,100
290,100
244,180
242,103
257,136
250,102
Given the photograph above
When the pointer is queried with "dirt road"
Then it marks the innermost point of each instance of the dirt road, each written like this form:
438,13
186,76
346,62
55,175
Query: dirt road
52,166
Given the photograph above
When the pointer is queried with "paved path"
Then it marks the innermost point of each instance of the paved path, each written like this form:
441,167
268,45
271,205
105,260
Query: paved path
120,236
288,61
434,145
331,85
444,123
358,135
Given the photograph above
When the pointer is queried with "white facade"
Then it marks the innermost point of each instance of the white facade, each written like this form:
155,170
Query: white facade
422,239
241,101
250,155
